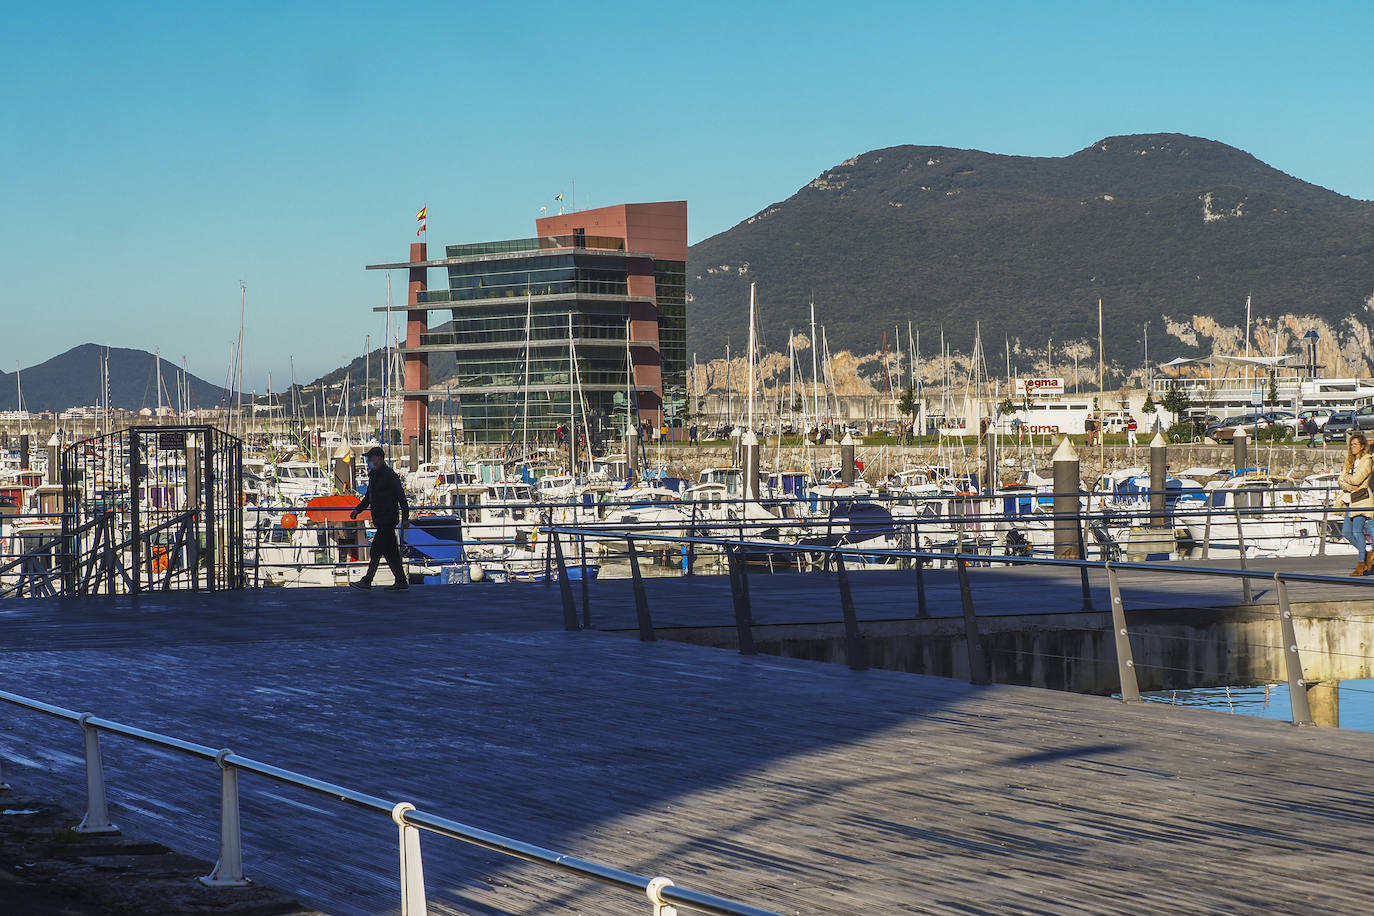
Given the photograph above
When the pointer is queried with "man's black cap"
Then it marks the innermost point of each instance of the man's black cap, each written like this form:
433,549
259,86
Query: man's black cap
375,452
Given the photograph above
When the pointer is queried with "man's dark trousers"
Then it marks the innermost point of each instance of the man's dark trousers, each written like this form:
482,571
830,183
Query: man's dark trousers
384,545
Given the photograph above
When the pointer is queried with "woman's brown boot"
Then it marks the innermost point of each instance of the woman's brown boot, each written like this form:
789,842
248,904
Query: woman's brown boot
1361,568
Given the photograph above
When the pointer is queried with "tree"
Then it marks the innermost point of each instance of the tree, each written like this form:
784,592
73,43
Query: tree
1176,400
907,403
1149,405
1006,407
1272,396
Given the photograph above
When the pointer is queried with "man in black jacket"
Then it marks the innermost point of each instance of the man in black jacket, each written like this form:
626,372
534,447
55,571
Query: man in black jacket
387,498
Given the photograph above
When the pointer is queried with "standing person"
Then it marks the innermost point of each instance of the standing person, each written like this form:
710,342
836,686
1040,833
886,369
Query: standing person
1130,432
387,498
1356,496
692,434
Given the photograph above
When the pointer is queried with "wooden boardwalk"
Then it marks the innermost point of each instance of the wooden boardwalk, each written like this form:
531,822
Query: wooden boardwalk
798,786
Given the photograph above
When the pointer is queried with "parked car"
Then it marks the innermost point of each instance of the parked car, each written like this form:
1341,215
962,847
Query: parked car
1364,416
1320,414
1338,425
1227,428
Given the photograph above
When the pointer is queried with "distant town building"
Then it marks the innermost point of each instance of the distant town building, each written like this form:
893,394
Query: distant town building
608,284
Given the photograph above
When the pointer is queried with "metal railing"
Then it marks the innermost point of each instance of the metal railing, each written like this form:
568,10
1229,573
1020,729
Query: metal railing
662,893
973,524
855,651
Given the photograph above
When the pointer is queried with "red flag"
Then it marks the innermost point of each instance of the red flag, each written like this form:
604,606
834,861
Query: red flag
421,229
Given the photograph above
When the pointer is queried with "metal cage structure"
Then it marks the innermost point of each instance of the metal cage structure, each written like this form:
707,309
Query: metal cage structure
153,508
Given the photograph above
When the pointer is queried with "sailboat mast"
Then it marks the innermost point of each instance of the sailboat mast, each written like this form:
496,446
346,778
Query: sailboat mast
572,405
815,379
525,396
386,366
750,410
243,301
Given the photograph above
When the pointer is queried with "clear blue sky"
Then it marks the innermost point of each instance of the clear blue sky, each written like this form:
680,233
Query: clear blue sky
152,156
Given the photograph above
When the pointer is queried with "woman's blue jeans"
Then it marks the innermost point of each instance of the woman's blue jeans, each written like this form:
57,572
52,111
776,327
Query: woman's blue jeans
1354,530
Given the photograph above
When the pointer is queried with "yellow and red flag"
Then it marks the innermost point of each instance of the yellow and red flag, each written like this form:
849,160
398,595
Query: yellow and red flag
420,217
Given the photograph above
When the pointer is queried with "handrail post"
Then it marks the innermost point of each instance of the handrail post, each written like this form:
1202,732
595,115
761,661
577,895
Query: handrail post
565,588
1207,530
646,623
922,610
412,867
856,652
1083,570
228,871
97,819
654,890
548,553
1125,660
691,545
977,662
586,586
1240,543
1321,545
739,592
1297,686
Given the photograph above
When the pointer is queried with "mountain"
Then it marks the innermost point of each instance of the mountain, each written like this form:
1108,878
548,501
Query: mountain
72,379
1163,228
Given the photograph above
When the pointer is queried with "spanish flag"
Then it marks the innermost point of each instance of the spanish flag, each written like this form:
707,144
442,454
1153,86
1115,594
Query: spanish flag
420,217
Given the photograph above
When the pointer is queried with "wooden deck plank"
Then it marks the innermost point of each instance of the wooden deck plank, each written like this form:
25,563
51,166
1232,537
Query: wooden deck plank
799,786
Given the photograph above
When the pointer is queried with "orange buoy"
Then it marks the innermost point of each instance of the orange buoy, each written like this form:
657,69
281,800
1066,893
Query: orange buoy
289,521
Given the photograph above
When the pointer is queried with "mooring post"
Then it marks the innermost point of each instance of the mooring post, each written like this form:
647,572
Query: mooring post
856,652
97,819
1159,481
1297,686
977,662
1239,449
1125,659
739,593
228,871
565,588
646,623
1068,508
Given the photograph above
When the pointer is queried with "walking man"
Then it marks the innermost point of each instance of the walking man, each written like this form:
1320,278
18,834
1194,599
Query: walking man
387,498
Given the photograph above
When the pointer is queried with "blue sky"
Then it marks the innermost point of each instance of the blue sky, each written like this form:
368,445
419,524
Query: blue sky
152,156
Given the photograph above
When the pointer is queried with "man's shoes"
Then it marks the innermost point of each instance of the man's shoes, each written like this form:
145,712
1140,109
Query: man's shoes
398,587
360,584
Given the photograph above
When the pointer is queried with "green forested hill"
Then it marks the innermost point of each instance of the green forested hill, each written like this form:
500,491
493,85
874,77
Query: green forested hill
1156,225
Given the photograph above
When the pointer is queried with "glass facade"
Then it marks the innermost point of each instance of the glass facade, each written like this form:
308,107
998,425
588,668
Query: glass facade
512,309
670,291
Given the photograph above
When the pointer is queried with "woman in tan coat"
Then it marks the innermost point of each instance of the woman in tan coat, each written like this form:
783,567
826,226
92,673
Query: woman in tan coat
1355,483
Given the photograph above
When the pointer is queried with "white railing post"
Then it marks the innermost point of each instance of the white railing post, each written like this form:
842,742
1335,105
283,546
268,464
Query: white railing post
97,819
412,869
655,894
228,871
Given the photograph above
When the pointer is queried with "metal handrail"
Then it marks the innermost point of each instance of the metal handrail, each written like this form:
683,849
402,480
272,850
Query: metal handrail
661,892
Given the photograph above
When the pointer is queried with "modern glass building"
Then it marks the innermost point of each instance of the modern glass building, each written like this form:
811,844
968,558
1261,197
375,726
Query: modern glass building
588,316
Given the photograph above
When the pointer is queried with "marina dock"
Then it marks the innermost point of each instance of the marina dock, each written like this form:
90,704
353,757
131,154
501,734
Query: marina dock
792,785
